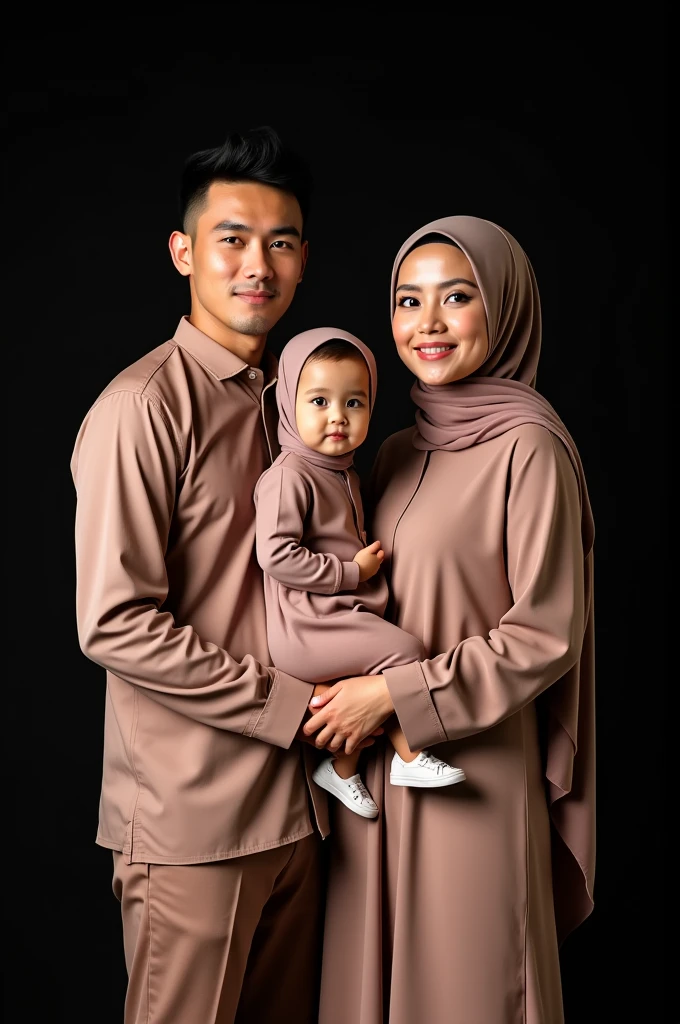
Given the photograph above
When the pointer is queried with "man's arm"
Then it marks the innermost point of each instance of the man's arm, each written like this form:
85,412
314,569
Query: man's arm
125,468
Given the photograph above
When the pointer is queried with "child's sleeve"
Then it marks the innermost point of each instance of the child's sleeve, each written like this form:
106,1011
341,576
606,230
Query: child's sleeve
282,500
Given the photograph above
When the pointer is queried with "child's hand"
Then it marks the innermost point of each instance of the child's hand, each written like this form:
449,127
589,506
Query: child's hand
369,560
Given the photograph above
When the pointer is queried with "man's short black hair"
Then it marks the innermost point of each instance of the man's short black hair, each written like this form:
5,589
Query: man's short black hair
256,155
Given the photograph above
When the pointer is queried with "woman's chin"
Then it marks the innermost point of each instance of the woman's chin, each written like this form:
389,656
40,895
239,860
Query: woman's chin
435,373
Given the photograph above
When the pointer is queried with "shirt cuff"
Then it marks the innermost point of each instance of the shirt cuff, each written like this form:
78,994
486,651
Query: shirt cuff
284,710
349,580
414,706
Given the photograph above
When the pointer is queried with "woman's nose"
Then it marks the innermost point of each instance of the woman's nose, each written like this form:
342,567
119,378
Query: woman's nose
429,321
430,324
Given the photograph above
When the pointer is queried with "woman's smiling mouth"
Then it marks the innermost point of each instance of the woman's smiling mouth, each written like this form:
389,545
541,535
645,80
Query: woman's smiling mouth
430,352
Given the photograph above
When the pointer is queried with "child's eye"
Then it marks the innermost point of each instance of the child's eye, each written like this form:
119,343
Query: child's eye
354,403
320,402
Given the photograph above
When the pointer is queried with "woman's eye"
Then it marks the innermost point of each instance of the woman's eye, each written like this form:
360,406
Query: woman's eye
408,302
457,297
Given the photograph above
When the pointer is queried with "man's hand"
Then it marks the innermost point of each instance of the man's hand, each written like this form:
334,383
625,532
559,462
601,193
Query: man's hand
319,689
349,713
369,560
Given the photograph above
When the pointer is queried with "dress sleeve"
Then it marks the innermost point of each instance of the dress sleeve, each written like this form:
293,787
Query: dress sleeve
485,679
125,468
283,499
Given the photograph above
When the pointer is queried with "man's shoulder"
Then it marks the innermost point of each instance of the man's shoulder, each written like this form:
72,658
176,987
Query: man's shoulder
141,376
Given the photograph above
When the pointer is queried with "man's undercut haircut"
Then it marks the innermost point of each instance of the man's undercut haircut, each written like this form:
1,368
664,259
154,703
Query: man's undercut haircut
257,155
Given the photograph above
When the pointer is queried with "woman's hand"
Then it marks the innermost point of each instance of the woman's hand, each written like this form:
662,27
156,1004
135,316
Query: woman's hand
349,712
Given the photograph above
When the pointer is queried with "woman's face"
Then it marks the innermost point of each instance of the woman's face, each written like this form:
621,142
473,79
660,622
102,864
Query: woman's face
439,323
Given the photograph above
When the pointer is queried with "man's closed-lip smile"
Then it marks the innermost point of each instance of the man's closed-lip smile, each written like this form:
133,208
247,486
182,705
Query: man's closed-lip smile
255,298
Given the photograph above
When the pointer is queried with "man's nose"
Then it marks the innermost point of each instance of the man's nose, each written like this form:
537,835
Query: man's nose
256,261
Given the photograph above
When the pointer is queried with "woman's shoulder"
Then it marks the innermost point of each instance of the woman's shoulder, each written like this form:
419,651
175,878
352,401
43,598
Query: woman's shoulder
538,449
397,445
530,437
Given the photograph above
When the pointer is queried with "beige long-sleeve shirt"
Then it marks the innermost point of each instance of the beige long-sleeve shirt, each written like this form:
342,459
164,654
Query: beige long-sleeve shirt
200,761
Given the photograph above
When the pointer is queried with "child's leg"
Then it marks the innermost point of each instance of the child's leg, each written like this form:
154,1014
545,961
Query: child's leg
398,741
346,764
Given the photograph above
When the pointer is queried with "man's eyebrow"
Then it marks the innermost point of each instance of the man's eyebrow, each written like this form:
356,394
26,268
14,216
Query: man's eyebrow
230,225
286,229
442,284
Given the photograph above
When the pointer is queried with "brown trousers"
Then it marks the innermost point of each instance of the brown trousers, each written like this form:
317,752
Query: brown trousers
230,942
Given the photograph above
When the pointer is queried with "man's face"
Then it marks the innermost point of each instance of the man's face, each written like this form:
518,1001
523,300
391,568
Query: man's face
244,259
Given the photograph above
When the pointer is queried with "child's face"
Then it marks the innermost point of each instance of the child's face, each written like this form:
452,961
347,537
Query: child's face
332,405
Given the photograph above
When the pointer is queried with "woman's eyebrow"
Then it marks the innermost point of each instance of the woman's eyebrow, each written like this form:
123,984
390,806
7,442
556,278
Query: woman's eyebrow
442,284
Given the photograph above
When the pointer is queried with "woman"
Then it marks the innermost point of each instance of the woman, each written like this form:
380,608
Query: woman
449,909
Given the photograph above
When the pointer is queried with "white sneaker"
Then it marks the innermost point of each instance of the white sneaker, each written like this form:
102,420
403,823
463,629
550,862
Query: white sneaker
351,792
425,772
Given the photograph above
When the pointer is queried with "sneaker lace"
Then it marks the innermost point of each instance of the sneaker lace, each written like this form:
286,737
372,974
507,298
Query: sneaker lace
435,764
359,791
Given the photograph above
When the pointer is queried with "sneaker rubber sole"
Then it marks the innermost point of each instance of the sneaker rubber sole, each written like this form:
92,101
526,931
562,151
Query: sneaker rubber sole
435,783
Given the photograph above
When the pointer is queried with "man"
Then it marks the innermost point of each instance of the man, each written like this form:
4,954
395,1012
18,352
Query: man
204,800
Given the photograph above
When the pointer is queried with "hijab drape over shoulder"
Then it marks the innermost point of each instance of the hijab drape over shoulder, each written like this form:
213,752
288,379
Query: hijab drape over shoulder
293,358
500,396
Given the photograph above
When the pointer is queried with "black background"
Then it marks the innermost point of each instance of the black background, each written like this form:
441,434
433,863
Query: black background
552,126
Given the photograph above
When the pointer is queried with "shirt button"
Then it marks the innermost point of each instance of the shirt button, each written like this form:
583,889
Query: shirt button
252,375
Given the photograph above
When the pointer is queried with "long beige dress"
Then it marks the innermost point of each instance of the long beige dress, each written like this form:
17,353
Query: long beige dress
441,910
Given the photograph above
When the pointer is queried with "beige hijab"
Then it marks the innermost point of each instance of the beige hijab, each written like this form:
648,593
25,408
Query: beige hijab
291,362
502,395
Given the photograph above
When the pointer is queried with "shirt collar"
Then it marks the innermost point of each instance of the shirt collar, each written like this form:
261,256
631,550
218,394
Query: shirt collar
215,357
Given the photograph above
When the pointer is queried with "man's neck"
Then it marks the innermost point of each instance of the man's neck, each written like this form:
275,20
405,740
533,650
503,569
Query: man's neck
248,347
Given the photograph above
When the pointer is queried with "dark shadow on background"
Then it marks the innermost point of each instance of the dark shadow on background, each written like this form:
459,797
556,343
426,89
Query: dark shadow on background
554,129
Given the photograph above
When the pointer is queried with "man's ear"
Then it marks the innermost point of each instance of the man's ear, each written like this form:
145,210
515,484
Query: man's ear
180,251
304,250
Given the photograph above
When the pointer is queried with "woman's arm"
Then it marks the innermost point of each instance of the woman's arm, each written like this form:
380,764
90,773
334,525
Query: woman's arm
282,500
485,679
